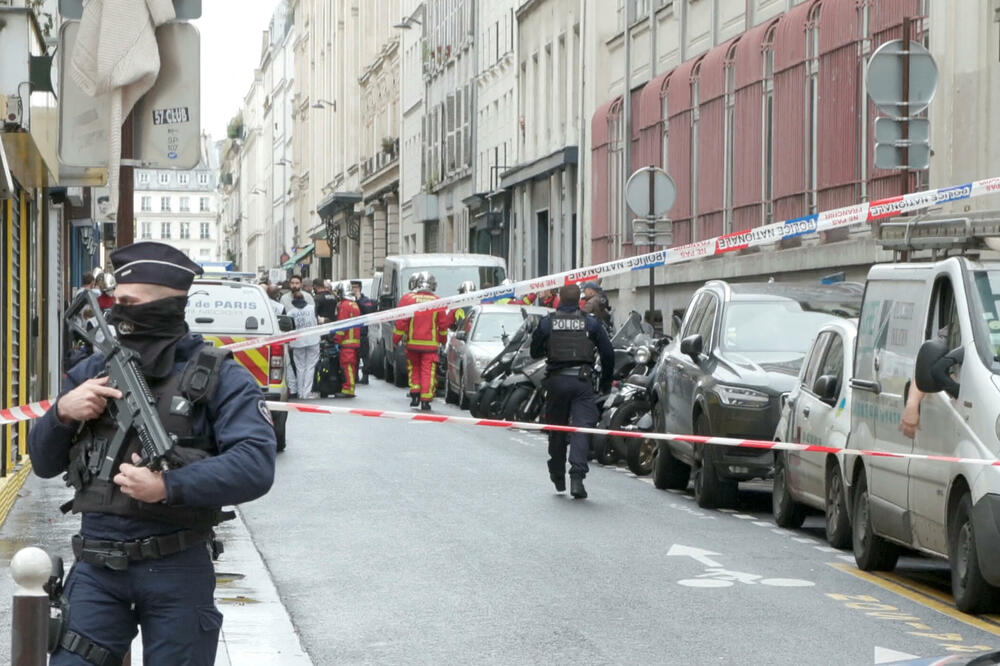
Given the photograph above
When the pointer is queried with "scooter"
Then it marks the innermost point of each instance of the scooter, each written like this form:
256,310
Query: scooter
634,348
491,394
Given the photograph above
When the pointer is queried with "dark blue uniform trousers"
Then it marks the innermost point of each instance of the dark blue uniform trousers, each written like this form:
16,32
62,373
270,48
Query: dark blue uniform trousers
170,598
570,401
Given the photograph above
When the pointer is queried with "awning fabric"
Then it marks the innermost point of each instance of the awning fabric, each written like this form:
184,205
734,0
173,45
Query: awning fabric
299,256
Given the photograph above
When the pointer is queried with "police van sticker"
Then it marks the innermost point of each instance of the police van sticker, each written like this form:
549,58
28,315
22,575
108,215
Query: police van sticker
265,412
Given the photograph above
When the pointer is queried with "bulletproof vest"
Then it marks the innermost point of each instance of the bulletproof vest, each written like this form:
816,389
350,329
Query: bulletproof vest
179,398
568,340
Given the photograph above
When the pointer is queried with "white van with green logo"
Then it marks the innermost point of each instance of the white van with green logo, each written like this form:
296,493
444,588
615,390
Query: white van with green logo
928,349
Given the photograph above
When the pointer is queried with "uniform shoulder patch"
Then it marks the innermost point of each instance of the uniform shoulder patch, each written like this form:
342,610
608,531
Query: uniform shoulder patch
265,412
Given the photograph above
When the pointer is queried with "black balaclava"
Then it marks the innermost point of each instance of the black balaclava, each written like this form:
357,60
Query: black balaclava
151,329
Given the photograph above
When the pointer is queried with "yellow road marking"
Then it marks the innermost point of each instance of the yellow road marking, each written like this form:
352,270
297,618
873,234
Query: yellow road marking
923,595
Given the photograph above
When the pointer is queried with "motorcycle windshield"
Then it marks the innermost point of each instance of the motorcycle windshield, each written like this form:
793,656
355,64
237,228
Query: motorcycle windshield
628,331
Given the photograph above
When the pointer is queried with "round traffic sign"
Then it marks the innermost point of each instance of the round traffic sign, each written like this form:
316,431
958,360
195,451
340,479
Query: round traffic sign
650,192
885,78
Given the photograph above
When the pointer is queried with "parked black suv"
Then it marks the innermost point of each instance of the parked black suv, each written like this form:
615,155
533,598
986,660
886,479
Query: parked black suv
738,352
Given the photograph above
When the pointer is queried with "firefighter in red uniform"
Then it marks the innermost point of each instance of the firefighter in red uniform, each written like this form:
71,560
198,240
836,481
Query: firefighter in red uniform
349,341
423,332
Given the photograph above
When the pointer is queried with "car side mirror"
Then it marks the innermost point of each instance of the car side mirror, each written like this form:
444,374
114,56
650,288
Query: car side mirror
461,335
285,323
692,346
932,368
827,388
385,302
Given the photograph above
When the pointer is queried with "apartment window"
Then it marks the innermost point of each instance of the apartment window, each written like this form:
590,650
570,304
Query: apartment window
146,230
203,205
165,204
146,204
185,230
665,125
616,169
183,178
695,72
205,252
812,105
163,178
203,179
185,204
206,230
144,177
729,132
165,230
767,127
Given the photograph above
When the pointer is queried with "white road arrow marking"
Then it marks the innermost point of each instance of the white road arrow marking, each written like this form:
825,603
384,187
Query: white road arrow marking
887,656
697,554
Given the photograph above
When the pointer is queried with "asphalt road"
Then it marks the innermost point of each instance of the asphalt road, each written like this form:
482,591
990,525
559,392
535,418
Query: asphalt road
418,543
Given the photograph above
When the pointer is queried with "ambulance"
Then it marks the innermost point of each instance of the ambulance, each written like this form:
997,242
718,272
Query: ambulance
226,311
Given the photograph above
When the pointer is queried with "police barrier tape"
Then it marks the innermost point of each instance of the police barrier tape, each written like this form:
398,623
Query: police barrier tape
846,216
24,412
632,434
37,409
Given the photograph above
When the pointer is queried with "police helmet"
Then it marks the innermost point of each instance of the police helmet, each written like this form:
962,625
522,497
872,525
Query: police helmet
466,287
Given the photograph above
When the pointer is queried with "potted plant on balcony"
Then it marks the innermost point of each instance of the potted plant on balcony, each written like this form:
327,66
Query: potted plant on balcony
389,145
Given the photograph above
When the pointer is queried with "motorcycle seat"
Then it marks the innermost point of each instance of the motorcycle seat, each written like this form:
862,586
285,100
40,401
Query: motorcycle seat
640,380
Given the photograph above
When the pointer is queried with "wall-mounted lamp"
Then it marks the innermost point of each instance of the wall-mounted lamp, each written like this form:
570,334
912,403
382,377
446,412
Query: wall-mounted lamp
407,23
322,104
284,162
257,190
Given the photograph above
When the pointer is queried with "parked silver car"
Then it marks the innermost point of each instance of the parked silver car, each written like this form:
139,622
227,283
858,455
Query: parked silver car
479,339
817,411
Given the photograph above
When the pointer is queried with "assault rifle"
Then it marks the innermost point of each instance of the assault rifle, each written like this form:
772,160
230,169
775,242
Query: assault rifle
137,406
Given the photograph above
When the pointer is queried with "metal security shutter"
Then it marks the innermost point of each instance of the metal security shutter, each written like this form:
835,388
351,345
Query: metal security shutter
13,351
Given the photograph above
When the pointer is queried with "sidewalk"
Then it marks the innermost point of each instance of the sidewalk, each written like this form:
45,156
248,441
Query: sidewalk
257,629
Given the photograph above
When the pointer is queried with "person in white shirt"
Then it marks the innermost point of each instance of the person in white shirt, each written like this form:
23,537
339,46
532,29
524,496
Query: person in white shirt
305,350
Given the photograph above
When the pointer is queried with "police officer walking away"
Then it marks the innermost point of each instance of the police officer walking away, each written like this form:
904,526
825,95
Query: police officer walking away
142,554
568,338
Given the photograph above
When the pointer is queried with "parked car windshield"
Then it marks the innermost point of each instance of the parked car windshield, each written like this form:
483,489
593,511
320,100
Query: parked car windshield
450,277
491,326
986,316
770,326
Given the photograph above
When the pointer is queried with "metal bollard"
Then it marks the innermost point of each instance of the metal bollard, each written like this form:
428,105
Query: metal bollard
31,568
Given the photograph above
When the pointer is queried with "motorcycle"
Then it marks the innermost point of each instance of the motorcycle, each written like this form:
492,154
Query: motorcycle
329,376
525,395
627,405
492,394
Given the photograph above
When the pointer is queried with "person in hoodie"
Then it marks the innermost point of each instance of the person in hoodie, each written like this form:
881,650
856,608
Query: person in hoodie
146,542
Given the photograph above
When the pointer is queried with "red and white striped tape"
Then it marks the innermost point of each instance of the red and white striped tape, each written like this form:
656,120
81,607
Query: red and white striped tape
668,437
836,218
24,412
37,409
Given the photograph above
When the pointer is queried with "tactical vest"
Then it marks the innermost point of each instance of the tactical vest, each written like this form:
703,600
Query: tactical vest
569,342
178,398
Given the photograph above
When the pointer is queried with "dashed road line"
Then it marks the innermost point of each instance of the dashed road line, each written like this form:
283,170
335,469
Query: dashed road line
744,516
827,549
763,523
804,540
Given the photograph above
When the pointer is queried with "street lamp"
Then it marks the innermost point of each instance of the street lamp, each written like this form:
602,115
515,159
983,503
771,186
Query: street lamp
406,23
322,104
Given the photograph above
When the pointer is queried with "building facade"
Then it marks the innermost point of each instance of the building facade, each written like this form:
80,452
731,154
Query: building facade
758,111
181,208
380,115
449,71
496,136
415,202
543,184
